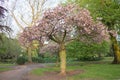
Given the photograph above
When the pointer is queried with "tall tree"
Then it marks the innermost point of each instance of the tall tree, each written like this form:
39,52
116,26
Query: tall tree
29,13
3,28
10,48
108,11
63,24
28,41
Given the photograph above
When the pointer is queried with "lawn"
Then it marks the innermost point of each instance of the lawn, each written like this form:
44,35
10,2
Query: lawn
97,70
5,67
6,64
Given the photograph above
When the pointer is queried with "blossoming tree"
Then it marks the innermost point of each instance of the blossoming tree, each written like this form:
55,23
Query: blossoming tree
65,23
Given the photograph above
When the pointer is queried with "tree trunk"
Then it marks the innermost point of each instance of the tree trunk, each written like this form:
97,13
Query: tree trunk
62,54
29,55
116,50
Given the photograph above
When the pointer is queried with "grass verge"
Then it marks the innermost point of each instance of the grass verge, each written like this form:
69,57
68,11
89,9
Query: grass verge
4,69
5,66
99,70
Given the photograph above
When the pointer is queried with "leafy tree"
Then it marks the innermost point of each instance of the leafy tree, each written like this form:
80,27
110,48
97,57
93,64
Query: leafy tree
9,48
85,51
63,24
28,42
34,11
108,11
3,28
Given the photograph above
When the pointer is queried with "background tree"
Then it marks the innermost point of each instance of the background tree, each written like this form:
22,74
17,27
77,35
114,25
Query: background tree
62,24
108,12
28,13
2,9
27,17
9,49
3,27
77,50
27,41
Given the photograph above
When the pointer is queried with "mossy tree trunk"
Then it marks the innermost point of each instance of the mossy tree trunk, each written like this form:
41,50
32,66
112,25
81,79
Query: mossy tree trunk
29,55
116,50
62,54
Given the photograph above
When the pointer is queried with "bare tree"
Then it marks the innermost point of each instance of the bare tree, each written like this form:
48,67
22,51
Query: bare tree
28,13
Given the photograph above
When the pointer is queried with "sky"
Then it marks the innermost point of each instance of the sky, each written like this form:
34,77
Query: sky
21,7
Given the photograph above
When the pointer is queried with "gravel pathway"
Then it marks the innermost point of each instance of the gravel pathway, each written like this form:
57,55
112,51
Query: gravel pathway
19,72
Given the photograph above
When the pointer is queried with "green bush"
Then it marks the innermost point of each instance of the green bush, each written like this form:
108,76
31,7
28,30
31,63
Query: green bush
37,59
9,49
89,58
87,52
21,60
45,58
50,58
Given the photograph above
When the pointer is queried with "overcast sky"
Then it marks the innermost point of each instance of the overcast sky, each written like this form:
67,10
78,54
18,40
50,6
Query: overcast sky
22,5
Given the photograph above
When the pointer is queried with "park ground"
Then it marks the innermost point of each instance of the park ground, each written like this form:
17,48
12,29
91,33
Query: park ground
88,70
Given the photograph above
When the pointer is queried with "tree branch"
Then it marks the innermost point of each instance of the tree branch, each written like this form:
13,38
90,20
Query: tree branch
23,20
33,14
64,35
13,15
53,38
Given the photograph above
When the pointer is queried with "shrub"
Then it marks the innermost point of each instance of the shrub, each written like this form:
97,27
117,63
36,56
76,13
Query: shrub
87,52
89,58
37,59
50,58
21,60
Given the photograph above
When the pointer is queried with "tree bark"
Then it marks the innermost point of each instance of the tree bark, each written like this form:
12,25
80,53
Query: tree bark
62,54
29,55
116,51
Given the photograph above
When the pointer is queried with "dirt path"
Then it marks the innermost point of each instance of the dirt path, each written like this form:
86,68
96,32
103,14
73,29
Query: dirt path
22,73
19,72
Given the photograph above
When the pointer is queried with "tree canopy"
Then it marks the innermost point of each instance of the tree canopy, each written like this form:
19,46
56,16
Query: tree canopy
63,24
105,10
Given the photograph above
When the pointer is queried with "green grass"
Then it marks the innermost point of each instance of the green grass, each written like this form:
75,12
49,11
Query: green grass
4,69
98,72
5,66
91,71
94,70
40,71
